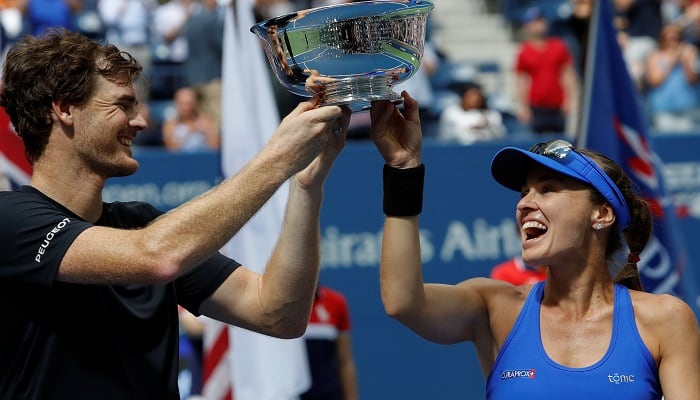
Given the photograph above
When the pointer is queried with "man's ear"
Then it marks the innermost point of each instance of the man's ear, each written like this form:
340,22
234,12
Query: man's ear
61,112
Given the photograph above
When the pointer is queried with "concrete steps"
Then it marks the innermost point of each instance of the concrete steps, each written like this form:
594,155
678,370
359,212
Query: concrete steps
466,31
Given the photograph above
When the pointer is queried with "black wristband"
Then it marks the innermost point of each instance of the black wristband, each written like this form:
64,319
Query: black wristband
403,191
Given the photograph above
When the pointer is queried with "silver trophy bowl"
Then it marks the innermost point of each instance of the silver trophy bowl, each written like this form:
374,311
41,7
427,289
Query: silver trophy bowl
349,54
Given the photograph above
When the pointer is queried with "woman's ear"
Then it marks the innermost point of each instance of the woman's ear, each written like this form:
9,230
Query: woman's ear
603,216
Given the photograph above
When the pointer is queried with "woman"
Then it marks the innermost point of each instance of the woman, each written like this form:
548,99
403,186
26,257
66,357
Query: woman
189,129
672,82
577,335
471,120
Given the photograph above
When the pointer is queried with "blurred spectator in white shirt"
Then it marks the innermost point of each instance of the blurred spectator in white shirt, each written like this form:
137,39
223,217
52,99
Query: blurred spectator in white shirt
169,21
471,120
127,26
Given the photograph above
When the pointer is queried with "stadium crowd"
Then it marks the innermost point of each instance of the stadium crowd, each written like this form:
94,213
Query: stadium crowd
179,42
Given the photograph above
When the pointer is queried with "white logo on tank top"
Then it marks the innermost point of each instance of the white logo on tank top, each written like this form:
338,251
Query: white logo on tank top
617,378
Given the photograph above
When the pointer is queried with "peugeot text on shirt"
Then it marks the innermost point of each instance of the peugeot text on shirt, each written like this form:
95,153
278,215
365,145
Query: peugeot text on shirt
49,236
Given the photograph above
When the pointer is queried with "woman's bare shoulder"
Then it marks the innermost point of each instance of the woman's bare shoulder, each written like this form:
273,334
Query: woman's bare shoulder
501,298
662,316
659,308
668,327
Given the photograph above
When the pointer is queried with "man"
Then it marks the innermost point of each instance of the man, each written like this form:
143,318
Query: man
89,290
127,25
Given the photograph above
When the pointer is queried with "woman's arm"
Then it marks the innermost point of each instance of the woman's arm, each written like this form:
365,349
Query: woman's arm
676,328
439,313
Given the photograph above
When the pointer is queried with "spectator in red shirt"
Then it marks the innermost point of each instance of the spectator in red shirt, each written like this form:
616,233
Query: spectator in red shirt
515,271
329,348
546,77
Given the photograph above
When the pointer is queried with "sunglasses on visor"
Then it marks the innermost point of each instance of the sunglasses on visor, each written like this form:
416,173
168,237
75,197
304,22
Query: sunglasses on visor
564,153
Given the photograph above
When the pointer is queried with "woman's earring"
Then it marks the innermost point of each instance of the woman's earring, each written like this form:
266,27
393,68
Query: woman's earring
598,226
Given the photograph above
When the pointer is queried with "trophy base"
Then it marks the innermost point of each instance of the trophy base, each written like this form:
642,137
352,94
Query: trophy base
358,93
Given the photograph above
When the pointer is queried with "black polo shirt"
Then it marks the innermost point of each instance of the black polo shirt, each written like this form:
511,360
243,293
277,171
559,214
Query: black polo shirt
75,341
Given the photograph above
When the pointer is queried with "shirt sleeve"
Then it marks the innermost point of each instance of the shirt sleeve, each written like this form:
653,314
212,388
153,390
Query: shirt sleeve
34,237
197,285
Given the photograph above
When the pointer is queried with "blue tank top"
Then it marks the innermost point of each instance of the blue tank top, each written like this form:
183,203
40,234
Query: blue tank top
523,370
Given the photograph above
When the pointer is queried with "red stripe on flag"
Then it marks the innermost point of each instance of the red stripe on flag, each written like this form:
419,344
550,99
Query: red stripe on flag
11,145
217,381
214,355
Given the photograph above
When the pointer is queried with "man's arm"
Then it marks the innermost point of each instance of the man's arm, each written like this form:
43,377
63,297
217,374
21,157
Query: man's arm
189,234
279,301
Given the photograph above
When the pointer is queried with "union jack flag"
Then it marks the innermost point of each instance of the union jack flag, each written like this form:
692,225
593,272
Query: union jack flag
612,123
15,170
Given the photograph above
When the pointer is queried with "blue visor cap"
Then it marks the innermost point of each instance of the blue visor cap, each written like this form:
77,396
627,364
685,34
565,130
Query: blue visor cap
511,165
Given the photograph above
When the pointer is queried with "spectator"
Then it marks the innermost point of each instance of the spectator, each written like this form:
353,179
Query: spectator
672,79
329,348
11,20
471,120
574,30
127,26
45,14
189,129
685,13
87,21
515,271
546,77
204,33
639,23
170,48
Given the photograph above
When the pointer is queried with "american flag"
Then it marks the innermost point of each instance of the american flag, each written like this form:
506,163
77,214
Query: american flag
216,371
261,367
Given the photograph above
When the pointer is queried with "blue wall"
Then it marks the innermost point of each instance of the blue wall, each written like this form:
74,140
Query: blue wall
467,227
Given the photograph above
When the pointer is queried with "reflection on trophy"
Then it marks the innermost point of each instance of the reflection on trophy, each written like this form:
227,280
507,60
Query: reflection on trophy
349,53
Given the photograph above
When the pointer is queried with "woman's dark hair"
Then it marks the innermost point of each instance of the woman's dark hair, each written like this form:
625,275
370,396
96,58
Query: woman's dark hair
637,233
59,66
